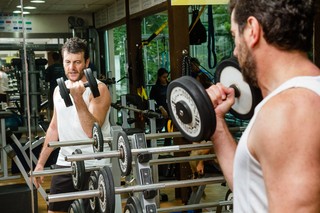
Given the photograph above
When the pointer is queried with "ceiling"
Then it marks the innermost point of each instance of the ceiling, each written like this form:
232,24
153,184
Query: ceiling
56,6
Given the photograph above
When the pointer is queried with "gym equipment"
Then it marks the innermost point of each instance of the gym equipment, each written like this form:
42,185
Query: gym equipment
191,109
97,142
248,96
17,198
229,197
124,153
218,206
92,83
77,170
77,206
133,205
12,154
93,184
78,173
146,113
106,190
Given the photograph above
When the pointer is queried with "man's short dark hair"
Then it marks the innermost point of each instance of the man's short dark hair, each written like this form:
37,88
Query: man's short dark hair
76,45
286,24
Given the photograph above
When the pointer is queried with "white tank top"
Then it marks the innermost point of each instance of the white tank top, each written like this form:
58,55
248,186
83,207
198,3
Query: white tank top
69,128
249,188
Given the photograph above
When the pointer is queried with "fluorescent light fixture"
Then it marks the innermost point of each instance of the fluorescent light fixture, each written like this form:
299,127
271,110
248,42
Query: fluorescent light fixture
18,11
38,1
27,7
30,8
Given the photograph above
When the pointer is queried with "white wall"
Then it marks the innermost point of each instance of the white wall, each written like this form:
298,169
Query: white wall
54,23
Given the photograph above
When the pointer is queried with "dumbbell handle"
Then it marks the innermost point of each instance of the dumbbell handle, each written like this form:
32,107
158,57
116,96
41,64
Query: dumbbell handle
86,84
237,92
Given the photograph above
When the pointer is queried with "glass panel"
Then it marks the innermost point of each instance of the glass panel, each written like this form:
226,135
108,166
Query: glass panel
119,58
156,47
223,42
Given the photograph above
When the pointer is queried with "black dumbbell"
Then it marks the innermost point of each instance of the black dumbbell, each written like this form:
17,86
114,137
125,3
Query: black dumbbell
92,83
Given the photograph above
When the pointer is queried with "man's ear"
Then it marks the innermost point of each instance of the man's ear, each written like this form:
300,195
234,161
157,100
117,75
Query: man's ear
254,31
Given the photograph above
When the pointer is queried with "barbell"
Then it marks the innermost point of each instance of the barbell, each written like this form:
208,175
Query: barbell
98,140
191,109
125,153
106,191
77,170
146,113
91,82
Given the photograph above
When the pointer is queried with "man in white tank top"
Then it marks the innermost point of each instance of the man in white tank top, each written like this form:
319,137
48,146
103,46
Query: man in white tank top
275,167
74,122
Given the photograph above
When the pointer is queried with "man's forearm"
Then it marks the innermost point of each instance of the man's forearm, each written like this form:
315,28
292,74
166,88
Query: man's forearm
224,146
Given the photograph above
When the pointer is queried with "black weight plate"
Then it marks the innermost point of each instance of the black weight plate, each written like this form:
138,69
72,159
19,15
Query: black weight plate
92,82
106,187
64,92
133,205
125,161
229,73
73,207
97,138
112,187
229,197
78,172
190,95
93,185
129,208
81,207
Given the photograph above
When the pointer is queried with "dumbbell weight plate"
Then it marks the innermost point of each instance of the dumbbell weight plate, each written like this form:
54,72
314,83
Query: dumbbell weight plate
97,138
78,174
133,205
106,187
229,73
229,197
93,185
77,206
81,207
73,207
191,109
125,161
92,82
64,92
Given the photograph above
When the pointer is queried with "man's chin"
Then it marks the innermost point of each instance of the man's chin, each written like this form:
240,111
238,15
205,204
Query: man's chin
73,77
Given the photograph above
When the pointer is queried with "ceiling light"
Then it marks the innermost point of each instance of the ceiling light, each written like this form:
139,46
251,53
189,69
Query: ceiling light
18,11
38,1
27,7
30,8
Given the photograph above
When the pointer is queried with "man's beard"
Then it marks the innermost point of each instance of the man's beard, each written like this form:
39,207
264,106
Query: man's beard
248,65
